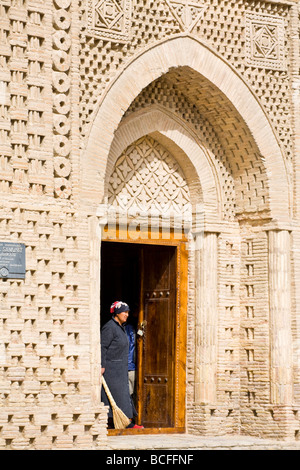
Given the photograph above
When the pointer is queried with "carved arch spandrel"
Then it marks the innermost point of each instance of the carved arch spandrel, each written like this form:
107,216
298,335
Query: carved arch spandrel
156,61
204,186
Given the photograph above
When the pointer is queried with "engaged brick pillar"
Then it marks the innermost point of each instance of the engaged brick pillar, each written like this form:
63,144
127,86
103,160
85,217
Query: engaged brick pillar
206,323
280,318
95,247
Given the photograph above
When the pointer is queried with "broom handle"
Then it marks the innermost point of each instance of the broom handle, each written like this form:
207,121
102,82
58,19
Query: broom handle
110,397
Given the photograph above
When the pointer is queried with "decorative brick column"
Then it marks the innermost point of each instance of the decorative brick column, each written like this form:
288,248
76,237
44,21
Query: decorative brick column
206,321
281,379
95,247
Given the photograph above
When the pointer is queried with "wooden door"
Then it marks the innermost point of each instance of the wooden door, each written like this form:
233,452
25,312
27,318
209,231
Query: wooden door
156,348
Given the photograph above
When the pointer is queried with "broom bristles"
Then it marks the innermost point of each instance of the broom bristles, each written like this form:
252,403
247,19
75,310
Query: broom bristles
121,421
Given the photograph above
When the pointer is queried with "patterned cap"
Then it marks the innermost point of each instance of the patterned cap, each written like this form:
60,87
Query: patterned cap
118,307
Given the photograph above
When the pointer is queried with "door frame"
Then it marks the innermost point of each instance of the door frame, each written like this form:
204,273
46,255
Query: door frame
180,242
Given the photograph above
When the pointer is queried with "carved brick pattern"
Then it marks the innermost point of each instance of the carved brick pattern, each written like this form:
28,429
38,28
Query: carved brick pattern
229,305
152,21
254,321
243,177
61,428
61,99
186,12
265,41
44,363
110,19
45,348
24,145
146,177
271,86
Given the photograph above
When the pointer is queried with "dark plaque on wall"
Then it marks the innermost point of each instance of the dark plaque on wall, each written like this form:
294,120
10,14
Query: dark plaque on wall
12,260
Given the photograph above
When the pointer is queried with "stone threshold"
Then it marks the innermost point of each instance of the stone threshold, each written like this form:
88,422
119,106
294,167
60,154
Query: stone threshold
192,442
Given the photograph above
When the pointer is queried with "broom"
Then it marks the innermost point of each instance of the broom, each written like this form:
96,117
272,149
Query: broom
120,419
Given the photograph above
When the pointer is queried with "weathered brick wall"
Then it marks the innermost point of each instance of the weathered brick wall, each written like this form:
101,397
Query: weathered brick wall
58,61
46,391
45,334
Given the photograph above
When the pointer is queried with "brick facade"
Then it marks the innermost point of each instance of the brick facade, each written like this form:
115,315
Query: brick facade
213,85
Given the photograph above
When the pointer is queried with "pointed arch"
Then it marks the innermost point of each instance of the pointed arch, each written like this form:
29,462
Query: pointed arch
179,140
151,64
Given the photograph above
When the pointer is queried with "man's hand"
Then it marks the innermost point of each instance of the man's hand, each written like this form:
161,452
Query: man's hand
102,370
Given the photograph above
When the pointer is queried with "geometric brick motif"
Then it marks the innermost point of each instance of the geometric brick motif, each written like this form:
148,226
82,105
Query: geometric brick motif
109,19
148,178
265,41
187,13
254,320
109,15
43,393
61,88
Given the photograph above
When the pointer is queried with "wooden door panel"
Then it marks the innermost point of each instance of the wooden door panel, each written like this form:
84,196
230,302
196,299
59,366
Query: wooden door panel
150,276
158,355
154,416
156,344
157,269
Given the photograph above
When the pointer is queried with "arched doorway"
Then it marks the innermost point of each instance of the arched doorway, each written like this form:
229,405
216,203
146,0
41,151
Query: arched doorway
144,262
231,107
202,112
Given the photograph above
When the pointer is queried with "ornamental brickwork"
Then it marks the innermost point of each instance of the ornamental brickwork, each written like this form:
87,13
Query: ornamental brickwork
186,106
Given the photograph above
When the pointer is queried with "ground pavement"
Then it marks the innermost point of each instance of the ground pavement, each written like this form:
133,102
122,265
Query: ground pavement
190,442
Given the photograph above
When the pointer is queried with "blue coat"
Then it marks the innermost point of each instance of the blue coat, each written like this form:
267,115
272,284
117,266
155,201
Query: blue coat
114,357
132,339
